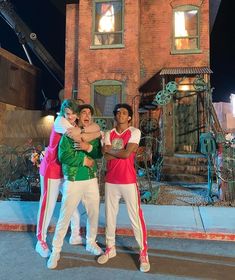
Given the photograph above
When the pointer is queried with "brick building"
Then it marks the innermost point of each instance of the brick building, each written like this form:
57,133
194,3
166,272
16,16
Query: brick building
141,52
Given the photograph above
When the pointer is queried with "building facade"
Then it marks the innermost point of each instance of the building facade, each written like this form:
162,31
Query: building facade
154,55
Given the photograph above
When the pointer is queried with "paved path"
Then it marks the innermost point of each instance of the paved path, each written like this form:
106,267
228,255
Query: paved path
171,259
214,223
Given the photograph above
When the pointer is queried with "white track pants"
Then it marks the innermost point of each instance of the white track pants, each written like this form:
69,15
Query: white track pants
50,189
86,191
130,193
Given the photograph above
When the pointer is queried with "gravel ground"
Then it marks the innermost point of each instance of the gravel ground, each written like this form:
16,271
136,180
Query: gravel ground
186,194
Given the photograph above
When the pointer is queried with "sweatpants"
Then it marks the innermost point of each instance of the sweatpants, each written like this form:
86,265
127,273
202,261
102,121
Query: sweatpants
86,191
50,189
131,196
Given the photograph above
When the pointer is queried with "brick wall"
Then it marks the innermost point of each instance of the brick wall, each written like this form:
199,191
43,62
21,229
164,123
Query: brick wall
147,40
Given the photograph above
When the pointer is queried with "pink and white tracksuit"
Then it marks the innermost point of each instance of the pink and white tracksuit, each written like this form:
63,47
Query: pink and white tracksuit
51,180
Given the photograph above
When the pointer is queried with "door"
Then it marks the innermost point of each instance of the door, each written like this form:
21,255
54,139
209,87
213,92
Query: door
186,124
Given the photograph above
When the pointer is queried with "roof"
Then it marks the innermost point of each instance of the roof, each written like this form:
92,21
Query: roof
185,70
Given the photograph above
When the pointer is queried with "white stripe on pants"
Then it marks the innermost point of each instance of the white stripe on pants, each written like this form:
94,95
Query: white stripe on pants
86,191
129,192
48,199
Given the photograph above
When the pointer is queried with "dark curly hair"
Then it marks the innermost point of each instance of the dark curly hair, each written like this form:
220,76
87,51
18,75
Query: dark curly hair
123,105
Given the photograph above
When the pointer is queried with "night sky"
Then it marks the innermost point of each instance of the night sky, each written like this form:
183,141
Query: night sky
223,52
48,22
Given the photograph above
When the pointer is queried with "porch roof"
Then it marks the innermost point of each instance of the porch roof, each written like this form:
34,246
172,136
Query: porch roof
185,70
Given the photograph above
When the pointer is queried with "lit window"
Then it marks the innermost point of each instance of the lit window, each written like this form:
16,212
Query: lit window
108,23
105,96
186,29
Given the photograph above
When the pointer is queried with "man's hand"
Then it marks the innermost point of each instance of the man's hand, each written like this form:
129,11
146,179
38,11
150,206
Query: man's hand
82,145
88,162
74,133
106,148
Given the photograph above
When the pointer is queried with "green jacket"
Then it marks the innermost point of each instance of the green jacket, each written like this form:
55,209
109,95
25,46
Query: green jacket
72,159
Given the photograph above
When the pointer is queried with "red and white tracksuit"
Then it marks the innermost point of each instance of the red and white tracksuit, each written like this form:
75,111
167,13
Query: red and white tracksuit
51,180
121,181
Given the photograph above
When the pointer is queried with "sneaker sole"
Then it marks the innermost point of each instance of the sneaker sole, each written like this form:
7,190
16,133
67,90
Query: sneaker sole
46,255
103,262
145,270
54,266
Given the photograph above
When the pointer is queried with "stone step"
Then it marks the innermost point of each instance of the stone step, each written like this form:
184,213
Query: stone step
189,178
184,160
184,169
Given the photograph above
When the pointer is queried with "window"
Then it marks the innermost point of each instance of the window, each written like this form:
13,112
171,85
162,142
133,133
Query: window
106,94
108,23
186,29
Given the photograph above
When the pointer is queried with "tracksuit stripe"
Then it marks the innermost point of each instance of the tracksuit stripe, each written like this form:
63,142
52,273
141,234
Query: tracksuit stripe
43,208
144,246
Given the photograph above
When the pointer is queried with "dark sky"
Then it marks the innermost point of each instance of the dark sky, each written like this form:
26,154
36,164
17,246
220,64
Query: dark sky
48,22
223,52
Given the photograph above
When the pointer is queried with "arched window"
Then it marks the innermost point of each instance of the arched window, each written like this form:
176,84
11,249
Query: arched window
105,95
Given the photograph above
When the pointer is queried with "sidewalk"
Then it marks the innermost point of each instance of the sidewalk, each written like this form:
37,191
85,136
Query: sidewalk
211,223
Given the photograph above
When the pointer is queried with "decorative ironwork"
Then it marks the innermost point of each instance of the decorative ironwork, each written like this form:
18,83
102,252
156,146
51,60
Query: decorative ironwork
101,123
163,97
172,87
148,125
199,84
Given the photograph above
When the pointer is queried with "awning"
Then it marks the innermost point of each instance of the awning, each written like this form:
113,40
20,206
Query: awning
185,71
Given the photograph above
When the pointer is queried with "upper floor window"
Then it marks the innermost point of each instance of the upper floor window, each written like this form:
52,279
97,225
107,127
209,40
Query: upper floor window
106,94
186,29
108,23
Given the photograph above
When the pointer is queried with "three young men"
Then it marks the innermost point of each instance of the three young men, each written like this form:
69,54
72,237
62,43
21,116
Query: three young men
121,144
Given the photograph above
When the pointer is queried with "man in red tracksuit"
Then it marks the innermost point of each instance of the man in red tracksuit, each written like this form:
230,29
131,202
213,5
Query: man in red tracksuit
120,148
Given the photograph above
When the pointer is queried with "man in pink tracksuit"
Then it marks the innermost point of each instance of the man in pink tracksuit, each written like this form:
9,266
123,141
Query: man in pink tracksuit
51,177
121,144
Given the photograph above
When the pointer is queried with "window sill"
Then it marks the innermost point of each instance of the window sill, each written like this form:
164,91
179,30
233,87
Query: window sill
186,52
94,47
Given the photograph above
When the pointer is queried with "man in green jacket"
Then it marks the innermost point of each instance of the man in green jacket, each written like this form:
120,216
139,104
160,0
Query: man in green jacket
79,169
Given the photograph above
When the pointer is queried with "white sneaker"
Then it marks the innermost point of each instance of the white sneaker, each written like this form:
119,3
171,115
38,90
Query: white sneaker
53,260
42,249
75,240
144,263
94,249
110,252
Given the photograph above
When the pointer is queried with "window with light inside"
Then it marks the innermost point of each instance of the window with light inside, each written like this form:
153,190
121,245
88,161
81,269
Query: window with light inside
108,23
186,29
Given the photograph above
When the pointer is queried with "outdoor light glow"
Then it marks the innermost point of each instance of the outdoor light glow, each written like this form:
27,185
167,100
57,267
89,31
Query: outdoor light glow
49,119
232,97
184,87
